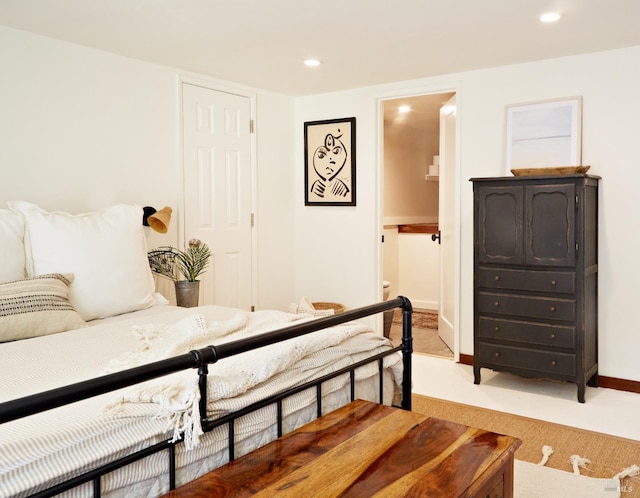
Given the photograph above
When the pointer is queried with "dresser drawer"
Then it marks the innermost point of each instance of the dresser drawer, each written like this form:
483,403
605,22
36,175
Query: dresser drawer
558,336
550,308
527,359
537,281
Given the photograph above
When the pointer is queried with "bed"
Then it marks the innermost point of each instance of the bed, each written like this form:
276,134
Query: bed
107,390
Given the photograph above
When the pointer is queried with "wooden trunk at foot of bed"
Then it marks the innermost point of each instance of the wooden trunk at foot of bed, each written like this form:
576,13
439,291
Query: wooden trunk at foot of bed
367,449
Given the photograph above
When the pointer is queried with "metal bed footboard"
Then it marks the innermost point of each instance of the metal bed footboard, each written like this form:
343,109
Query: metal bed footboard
200,359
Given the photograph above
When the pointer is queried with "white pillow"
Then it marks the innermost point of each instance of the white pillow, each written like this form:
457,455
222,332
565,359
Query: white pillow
106,251
12,246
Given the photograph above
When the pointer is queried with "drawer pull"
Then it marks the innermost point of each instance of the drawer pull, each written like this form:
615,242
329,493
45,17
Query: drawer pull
496,354
496,304
552,309
552,335
553,282
553,363
496,328
496,278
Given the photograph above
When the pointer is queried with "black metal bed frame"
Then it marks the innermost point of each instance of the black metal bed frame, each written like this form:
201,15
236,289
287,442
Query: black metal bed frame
200,359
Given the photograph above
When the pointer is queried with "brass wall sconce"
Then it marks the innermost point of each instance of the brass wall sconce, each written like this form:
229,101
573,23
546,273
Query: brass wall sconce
157,220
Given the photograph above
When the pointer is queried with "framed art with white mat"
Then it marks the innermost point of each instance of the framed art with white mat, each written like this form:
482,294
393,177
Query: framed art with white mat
543,134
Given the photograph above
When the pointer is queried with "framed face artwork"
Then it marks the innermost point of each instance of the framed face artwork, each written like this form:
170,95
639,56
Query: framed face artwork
330,162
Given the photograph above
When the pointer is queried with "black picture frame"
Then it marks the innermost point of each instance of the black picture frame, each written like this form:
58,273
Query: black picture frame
330,162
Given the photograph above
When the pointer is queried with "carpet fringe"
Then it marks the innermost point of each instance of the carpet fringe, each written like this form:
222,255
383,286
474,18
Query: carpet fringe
632,471
546,453
578,462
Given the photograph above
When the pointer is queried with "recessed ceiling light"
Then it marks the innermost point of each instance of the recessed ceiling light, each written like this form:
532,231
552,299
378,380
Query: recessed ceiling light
312,62
550,17
404,108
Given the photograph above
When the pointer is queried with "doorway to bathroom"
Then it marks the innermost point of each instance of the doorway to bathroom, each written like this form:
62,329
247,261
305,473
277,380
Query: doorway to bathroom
418,171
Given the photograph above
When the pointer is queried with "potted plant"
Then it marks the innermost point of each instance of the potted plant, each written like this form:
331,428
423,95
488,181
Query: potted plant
183,267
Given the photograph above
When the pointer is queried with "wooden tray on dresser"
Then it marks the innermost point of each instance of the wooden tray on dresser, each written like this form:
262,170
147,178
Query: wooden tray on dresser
552,170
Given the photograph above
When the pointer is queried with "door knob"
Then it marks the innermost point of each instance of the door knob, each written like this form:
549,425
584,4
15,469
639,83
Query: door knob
436,236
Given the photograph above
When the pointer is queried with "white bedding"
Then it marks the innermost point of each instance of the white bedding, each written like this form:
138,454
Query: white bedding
42,447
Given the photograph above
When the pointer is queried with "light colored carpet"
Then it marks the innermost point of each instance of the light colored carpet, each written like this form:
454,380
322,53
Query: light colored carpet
534,481
608,455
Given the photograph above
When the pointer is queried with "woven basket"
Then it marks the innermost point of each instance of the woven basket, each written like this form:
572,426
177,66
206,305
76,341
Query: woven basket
336,307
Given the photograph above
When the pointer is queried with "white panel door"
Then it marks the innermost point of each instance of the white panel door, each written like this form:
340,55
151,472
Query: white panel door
446,222
217,190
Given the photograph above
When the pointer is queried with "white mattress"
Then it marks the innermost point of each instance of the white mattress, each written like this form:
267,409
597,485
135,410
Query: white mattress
40,449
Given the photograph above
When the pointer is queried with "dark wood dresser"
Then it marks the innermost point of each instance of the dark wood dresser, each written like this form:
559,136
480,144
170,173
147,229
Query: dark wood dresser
536,277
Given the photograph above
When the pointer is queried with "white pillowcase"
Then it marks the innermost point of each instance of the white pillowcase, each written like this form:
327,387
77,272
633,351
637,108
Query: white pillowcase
105,250
11,241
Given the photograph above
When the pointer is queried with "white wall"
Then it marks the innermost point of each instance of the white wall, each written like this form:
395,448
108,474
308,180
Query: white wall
390,259
419,270
411,265
275,213
336,246
608,83
408,197
81,129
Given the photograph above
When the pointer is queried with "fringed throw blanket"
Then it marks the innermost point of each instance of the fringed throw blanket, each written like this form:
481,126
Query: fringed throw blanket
240,380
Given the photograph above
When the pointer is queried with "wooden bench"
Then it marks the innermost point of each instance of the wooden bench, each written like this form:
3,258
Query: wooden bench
366,448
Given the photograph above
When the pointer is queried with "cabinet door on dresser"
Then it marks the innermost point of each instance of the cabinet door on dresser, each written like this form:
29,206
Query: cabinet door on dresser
550,236
533,225
499,226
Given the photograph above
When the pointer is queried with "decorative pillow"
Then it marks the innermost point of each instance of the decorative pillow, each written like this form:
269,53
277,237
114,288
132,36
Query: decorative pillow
106,251
37,306
12,244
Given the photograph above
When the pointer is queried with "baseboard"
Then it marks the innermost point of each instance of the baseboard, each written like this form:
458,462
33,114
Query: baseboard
424,305
632,386
466,359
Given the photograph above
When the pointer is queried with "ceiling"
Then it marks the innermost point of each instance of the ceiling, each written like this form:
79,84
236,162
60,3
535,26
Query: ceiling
262,43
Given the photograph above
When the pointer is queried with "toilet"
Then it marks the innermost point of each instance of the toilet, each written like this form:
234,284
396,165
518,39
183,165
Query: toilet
386,288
